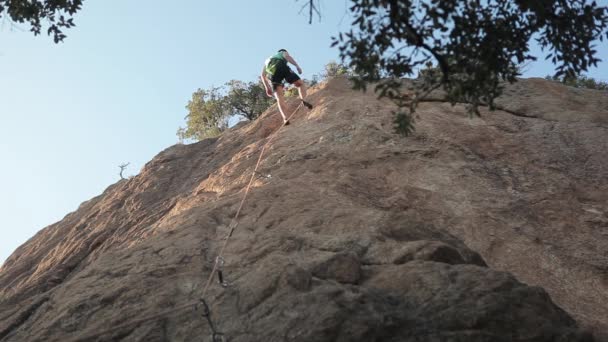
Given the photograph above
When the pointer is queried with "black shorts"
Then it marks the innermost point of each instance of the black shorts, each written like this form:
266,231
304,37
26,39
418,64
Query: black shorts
283,73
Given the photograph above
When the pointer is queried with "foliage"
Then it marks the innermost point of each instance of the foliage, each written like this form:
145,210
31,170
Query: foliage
207,115
404,123
580,81
475,45
56,13
209,111
333,69
248,100
330,70
291,92
314,81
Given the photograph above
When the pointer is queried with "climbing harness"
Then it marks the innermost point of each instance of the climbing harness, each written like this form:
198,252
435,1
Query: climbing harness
218,267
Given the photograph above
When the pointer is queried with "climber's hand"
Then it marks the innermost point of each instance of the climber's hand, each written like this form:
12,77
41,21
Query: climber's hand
299,70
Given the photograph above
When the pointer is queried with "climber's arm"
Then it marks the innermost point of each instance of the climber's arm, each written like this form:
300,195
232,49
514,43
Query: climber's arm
292,61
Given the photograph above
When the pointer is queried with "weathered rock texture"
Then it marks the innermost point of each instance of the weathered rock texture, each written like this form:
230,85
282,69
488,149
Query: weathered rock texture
357,235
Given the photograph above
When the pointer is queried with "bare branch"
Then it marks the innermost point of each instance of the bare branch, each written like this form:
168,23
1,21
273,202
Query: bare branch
312,9
122,168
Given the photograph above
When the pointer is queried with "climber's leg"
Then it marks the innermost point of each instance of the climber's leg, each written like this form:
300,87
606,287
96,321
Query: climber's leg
279,94
302,91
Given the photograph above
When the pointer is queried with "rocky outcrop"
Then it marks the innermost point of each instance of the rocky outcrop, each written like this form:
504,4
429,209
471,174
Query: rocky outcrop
350,232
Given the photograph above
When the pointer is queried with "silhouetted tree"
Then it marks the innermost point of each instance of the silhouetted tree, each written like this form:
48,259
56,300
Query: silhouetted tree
475,45
57,14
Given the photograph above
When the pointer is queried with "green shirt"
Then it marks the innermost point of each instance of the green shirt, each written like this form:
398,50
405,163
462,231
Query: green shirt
273,61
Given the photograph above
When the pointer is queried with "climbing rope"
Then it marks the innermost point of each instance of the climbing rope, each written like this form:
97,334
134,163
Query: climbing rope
217,267
234,223
206,313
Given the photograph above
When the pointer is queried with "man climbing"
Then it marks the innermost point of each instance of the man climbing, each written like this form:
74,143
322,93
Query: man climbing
276,70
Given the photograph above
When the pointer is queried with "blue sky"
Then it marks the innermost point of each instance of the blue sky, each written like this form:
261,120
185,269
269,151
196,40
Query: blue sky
115,90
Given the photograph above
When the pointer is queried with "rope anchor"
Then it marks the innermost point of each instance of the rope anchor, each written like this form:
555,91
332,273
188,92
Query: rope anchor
232,227
206,313
220,276
218,337
261,175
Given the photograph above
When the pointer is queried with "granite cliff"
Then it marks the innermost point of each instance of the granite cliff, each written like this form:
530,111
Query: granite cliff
491,228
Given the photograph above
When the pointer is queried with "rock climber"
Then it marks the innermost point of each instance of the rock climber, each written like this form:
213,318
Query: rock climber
276,71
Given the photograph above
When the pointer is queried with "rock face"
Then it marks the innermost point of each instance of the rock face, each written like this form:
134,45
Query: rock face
349,233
